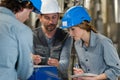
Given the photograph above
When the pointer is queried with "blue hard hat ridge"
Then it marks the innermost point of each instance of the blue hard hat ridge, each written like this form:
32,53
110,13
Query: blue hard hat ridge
74,16
37,5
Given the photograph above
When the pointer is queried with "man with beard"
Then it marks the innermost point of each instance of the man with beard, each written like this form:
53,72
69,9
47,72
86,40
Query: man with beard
52,44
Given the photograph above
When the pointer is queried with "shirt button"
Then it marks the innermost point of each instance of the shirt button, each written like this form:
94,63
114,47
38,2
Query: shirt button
117,64
43,51
86,60
88,69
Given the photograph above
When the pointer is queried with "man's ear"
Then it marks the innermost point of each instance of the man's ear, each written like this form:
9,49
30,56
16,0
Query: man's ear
21,9
39,16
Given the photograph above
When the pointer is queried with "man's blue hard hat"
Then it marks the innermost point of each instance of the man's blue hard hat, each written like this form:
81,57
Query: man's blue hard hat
74,16
36,4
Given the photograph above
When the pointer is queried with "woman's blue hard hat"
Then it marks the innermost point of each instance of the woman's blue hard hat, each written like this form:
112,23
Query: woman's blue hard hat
74,16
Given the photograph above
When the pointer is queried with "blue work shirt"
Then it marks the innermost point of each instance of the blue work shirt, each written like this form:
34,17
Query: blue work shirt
100,57
16,43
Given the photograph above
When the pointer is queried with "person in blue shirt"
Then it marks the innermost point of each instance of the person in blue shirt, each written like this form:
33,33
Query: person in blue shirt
96,53
16,39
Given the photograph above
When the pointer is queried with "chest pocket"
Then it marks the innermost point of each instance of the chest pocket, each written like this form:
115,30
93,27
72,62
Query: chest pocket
42,50
55,52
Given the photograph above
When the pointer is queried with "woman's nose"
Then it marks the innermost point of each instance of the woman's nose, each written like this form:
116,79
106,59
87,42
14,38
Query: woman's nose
70,32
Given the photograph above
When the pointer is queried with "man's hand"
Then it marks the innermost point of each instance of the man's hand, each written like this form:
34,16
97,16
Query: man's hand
53,62
36,59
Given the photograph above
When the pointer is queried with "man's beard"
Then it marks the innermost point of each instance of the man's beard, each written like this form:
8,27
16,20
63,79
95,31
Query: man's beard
50,27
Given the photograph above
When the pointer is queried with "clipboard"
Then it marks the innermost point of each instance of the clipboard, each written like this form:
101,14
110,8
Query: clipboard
83,75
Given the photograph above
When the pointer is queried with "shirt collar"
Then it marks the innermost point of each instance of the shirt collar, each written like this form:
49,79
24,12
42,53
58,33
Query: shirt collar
6,11
93,37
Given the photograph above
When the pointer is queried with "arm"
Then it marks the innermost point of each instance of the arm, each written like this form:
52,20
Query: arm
65,55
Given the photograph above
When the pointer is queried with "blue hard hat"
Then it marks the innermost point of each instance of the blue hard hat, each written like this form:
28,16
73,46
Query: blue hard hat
74,16
36,4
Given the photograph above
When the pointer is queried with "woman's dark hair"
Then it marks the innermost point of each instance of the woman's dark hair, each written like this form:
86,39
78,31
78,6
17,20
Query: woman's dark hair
87,26
16,5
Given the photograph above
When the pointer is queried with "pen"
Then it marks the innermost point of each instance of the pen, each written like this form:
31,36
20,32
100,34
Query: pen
76,65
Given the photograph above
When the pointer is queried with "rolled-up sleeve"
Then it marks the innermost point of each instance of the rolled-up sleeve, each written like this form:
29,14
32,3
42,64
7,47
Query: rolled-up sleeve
65,55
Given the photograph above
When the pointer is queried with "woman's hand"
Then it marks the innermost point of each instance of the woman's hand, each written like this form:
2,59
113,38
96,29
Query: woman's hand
77,71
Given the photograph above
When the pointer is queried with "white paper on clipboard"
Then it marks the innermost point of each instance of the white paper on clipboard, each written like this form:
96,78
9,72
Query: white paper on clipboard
84,75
